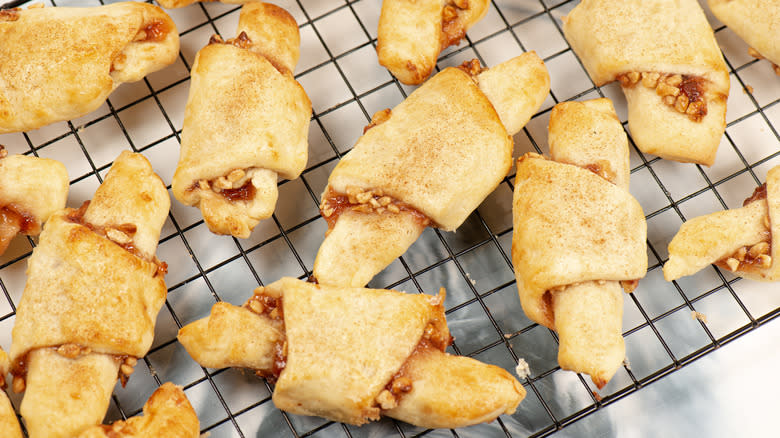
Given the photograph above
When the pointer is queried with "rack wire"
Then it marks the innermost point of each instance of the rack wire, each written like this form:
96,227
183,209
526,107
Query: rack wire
339,71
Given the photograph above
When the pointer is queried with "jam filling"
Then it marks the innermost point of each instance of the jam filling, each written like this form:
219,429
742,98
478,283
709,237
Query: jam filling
758,194
241,41
155,31
270,307
244,193
335,203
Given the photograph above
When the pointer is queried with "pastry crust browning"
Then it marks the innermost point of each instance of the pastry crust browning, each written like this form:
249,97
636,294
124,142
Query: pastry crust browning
642,41
755,21
9,425
741,240
431,160
246,121
580,206
351,354
412,33
60,63
91,301
31,189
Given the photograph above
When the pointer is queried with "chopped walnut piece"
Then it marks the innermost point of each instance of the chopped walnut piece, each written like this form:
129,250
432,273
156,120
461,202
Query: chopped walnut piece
401,385
125,369
758,249
449,14
698,315
650,79
392,208
117,236
10,14
18,384
236,175
764,261
386,400
72,351
732,263
204,185
684,93
472,68
629,285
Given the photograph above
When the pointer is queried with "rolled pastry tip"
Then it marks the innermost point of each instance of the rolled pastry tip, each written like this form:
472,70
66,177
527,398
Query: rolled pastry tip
31,189
676,86
246,122
589,323
96,48
93,292
9,425
387,359
740,240
167,414
411,34
430,161
756,22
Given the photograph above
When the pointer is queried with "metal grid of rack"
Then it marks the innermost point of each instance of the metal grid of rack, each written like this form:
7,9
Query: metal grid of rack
339,71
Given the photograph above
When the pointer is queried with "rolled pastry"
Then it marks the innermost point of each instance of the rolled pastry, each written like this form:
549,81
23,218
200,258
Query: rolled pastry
88,310
166,414
246,121
430,161
60,63
9,425
669,66
755,21
412,33
738,240
579,236
353,354
31,189
172,4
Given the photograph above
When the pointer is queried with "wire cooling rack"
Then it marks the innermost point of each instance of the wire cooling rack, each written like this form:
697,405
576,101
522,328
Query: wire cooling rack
339,70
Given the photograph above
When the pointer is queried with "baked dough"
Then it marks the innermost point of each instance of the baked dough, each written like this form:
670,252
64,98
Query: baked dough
246,121
60,63
351,354
166,414
670,68
88,310
755,21
578,234
31,189
430,161
412,33
740,240
9,425
171,4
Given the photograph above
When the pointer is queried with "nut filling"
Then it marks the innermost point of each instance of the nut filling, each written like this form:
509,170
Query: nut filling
70,351
365,201
9,14
235,186
452,29
270,307
684,93
749,259
154,32
121,234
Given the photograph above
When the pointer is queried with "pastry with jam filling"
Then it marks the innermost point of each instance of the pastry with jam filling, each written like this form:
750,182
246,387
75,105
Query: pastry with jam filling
89,307
353,355
246,122
755,21
412,33
740,240
60,63
670,68
579,236
430,161
31,189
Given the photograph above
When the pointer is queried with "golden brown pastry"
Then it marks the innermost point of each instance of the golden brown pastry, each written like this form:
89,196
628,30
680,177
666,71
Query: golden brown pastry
167,414
31,189
430,161
246,122
738,240
412,33
579,236
353,354
755,21
669,66
88,310
60,63
171,4
9,424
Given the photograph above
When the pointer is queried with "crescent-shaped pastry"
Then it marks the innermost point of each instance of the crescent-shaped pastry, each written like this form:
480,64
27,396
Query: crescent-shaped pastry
740,240
755,21
31,189
669,66
353,354
167,414
579,236
412,33
430,161
89,307
246,122
60,63
9,425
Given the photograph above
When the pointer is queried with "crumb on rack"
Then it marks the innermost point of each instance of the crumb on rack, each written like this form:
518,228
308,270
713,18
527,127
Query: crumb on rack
473,282
698,315
627,364
522,369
